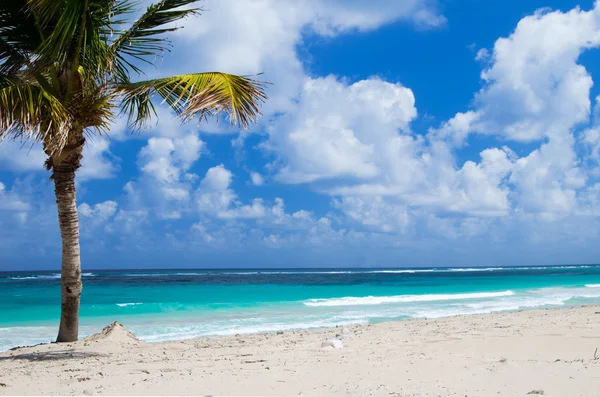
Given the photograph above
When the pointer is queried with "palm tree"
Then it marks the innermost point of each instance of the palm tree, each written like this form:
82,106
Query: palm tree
65,73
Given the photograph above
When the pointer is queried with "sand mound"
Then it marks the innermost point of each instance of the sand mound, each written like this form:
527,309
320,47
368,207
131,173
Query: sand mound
114,333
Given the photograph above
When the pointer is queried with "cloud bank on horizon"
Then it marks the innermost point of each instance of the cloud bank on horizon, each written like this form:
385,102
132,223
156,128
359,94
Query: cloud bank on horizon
342,170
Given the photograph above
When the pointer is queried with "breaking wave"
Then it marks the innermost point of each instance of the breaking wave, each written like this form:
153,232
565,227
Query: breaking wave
378,300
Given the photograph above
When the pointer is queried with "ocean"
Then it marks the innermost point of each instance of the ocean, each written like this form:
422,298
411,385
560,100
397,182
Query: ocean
162,305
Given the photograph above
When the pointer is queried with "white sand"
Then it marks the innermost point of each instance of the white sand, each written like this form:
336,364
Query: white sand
501,354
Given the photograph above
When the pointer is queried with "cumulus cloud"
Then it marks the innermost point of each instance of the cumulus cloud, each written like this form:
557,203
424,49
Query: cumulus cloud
97,162
214,194
99,212
21,157
257,179
166,181
167,159
338,16
250,37
215,198
354,141
535,90
534,86
10,201
357,138
338,129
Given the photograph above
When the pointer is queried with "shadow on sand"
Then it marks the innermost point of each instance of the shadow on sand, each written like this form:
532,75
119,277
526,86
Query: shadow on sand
51,355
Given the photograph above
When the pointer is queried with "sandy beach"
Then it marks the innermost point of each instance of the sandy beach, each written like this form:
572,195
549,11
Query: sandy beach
542,352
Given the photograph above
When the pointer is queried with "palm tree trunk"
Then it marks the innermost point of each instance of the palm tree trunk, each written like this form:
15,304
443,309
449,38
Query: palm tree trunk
71,287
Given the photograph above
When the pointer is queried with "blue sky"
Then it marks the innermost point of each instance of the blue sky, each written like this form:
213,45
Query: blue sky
413,133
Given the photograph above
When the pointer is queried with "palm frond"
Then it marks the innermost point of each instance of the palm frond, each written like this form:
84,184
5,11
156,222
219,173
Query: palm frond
30,113
18,35
199,94
142,41
77,33
67,19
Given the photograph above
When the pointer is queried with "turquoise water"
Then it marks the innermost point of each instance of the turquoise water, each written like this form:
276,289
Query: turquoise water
177,304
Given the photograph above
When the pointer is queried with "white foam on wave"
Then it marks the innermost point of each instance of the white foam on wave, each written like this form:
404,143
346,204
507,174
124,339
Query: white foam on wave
532,299
401,271
288,272
145,274
575,267
191,331
378,300
37,277
592,285
53,276
129,304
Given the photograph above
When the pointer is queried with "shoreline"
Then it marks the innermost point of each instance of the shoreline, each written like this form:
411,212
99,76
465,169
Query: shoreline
101,326
503,353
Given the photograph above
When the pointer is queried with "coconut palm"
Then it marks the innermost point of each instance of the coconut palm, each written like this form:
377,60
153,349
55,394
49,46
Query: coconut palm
66,70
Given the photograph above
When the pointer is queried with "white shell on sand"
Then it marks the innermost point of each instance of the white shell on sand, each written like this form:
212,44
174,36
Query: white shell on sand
345,331
335,343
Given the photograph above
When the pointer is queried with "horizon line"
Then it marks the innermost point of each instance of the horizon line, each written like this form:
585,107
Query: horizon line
306,268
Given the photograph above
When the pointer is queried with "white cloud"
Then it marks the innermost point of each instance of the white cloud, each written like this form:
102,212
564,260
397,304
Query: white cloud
214,195
302,214
337,16
535,90
257,179
215,199
166,162
482,55
534,86
358,138
95,163
99,212
21,157
375,212
128,222
250,37
165,185
256,210
591,137
337,129
10,201
167,159
479,186
547,180
457,128
217,178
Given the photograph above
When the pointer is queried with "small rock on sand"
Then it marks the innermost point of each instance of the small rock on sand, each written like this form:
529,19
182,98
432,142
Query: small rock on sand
538,392
335,343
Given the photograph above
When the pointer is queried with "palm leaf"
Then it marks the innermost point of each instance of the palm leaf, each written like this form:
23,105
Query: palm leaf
78,34
199,94
141,42
31,113
66,20
18,35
